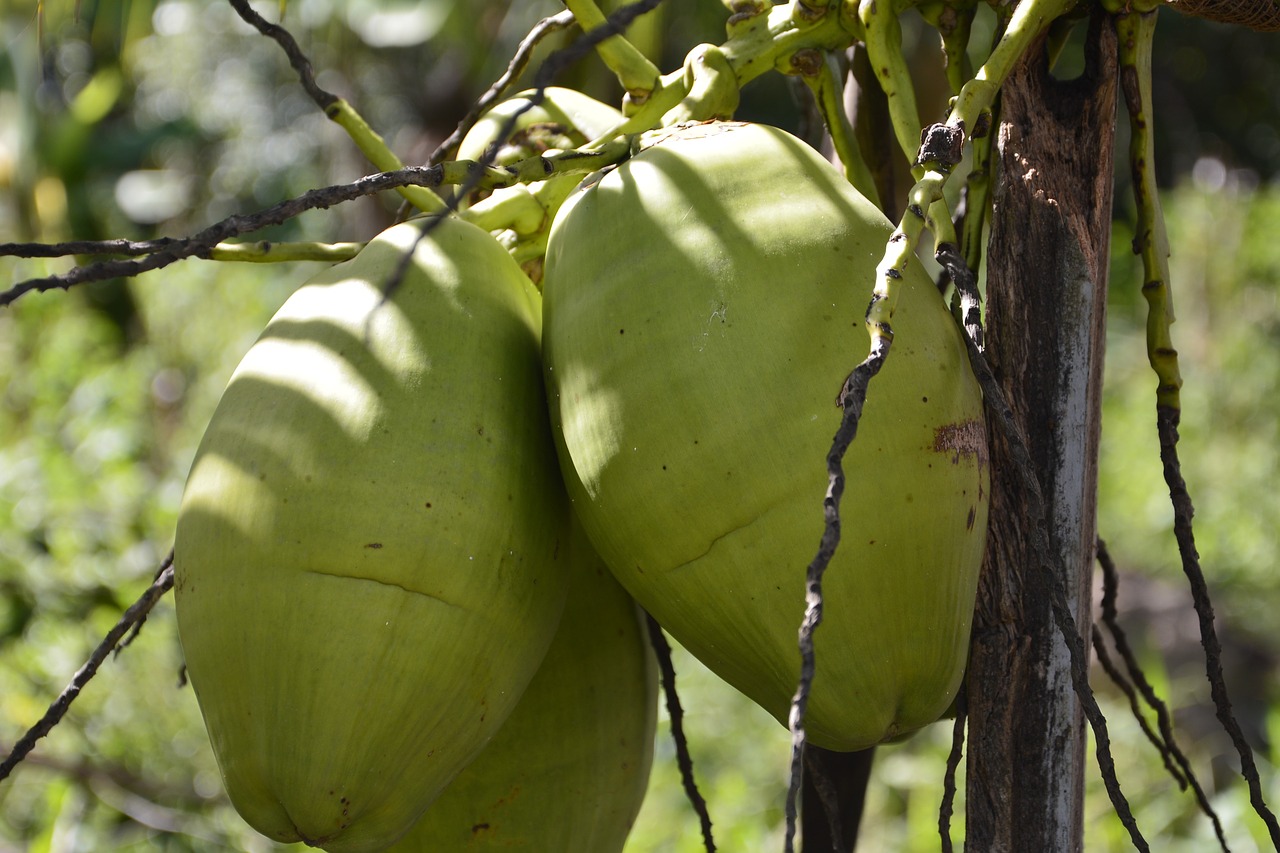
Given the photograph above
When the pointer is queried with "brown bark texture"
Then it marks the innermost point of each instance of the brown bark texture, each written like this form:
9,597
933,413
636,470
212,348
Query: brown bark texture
1046,292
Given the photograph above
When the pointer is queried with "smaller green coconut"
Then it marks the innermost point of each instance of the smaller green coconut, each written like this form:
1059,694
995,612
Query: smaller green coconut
565,119
370,551
569,768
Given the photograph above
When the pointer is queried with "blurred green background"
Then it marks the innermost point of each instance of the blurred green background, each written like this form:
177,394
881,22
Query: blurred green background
141,119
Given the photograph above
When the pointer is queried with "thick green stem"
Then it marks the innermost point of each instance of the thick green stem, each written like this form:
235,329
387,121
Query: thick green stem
829,95
634,71
883,36
977,201
267,252
1151,242
375,149
954,21
757,44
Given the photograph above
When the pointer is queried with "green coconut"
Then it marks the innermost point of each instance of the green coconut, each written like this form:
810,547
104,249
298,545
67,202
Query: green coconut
704,303
370,552
569,768
565,119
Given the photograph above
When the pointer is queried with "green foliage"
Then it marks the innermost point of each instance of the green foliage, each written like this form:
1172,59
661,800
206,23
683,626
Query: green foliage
97,440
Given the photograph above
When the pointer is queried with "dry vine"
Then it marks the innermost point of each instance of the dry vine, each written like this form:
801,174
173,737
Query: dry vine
130,621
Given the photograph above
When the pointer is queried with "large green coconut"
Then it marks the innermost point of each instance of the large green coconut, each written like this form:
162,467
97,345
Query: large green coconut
704,303
569,768
370,550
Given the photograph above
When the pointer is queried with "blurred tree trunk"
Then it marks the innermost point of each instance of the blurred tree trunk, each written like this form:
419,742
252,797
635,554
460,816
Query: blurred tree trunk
1046,292
836,779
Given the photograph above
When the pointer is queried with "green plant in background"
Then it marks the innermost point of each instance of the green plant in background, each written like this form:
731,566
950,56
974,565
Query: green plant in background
104,400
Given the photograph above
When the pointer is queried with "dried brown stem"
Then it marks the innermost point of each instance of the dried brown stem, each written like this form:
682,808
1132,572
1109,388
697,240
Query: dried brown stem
133,616
201,243
662,651
297,58
518,63
1164,720
1167,419
852,398
947,808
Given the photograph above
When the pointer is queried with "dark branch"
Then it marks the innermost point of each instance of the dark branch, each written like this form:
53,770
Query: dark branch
947,807
518,63
1110,620
662,651
132,248
134,615
852,397
1167,419
297,58
1119,680
198,245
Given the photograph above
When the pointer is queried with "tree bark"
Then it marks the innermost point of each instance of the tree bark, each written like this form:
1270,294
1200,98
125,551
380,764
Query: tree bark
1046,291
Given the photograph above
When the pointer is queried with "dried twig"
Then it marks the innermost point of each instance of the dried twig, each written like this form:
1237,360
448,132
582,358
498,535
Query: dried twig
662,651
1118,678
1183,510
133,616
198,245
289,44
852,398
947,807
518,63
1164,720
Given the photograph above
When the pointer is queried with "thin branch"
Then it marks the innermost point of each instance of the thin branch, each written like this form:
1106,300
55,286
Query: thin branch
852,398
1119,680
1183,510
1110,585
297,58
662,651
519,62
200,244
947,808
260,251
135,614
132,248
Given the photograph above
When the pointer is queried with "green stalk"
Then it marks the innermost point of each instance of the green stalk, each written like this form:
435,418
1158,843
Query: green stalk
884,48
268,252
375,149
954,21
755,46
1135,31
827,91
1028,20
634,71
